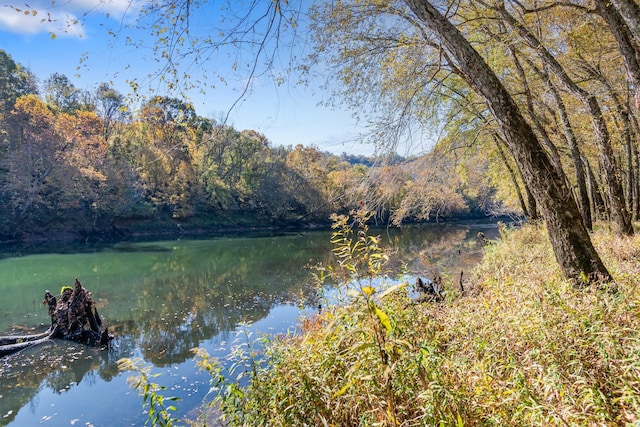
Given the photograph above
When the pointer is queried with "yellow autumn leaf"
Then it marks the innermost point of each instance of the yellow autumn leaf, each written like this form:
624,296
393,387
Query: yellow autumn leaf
344,389
368,290
384,319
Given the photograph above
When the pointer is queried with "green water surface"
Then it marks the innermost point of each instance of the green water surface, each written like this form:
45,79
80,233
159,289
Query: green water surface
160,300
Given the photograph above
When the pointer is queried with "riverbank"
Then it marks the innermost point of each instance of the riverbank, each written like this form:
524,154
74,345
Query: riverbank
155,229
146,229
520,346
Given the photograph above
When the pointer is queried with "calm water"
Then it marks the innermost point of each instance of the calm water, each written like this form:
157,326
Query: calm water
162,299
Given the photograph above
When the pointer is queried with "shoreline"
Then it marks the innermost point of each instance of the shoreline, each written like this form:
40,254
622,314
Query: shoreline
132,231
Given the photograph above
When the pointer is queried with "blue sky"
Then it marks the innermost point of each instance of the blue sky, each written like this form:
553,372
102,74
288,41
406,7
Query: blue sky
287,114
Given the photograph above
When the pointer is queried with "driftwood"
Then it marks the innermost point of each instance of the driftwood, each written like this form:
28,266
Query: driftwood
15,339
74,317
14,343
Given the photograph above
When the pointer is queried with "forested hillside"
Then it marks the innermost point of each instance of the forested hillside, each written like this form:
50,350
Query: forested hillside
85,164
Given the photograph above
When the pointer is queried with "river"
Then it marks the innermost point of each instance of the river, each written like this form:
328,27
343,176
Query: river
161,299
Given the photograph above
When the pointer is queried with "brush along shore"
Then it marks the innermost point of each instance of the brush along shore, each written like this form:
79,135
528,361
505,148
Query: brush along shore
519,347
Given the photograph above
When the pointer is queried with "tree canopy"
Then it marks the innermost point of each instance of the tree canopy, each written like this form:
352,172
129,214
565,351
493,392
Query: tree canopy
547,91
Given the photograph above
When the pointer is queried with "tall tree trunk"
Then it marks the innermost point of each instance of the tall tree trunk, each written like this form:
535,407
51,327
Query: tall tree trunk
625,129
576,156
571,243
629,48
623,18
619,213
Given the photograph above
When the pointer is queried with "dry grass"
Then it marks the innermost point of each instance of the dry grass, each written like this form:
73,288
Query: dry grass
537,351
525,348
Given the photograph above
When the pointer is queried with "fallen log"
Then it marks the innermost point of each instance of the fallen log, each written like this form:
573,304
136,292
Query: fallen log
18,344
16,339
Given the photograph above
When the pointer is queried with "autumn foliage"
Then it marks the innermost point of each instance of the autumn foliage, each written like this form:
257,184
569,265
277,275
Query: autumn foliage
84,165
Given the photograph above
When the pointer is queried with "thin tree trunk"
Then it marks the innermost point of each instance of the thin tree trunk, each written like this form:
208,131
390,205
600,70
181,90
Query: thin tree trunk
598,208
572,141
570,240
514,178
635,131
619,213
625,129
628,149
576,156
555,156
636,186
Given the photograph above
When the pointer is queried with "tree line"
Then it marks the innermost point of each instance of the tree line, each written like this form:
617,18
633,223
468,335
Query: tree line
83,162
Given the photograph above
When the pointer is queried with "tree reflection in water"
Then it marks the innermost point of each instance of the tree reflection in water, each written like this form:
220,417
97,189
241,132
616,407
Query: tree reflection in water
162,299
56,365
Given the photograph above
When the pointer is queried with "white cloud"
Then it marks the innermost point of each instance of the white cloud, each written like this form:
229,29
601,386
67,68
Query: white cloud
61,19
32,21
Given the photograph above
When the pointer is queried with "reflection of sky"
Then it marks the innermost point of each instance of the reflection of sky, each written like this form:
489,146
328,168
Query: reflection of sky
102,398
100,403
91,403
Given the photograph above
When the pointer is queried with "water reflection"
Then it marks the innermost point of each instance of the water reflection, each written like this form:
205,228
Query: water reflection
162,299
57,366
440,250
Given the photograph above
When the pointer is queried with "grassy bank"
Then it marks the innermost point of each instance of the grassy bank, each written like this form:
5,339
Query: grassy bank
519,347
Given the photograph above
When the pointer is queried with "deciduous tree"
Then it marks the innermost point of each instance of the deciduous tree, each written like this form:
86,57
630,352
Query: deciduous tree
61,95
15,81
35,169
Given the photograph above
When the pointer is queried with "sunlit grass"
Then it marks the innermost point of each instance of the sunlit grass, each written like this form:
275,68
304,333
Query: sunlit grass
520,347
